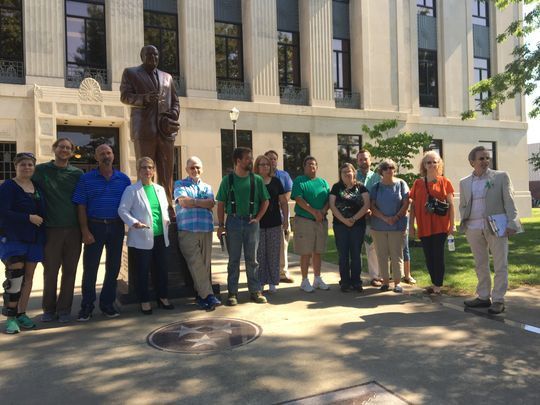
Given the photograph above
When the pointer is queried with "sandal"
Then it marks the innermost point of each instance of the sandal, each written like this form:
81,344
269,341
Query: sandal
429,290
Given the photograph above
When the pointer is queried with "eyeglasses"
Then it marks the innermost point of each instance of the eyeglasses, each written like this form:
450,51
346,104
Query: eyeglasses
484,158
263,164
25,154
388,168
147,167
195,168
432,162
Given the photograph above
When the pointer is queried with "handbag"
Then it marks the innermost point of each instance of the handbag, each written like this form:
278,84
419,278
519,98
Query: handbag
434,205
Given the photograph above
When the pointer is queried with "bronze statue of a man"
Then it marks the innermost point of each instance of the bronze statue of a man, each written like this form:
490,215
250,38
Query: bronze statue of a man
154,113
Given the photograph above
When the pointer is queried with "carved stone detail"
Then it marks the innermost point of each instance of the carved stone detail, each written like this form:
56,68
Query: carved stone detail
90,90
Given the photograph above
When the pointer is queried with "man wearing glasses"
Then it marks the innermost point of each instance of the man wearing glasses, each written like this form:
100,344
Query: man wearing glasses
488,217
58,179
194,202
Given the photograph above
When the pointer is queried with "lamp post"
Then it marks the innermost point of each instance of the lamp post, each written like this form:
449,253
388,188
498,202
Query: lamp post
233,115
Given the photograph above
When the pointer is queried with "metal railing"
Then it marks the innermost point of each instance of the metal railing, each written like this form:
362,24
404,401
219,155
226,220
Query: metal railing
11,71
293,95
233,90
346,99
76,74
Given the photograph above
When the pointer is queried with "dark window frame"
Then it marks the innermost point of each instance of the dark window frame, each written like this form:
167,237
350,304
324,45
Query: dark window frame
428,99
19,9
345,54
482,73
293,158
161,29
244,139
87,150
349,147
437,146
477,17
240,40
7,168
283,49
103,64
491,147
424,8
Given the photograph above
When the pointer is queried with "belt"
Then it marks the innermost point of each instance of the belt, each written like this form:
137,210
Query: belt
244,217
105,220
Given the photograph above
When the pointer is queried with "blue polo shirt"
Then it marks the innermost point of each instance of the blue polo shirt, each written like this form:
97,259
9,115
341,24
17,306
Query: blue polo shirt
285,179
100,196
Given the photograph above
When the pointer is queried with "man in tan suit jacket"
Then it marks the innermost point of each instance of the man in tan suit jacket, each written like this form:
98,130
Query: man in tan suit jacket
485,193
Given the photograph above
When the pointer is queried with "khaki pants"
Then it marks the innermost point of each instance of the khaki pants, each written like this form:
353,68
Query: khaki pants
197,250
63,248
389,244
283,256
482,242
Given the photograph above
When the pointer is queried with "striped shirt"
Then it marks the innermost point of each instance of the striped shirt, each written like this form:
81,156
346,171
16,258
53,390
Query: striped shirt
193,219
100,196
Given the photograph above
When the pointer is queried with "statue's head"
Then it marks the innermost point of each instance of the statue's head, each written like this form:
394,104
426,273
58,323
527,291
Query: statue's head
150,57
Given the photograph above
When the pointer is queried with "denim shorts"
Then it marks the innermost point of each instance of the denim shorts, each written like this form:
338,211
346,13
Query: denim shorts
32,251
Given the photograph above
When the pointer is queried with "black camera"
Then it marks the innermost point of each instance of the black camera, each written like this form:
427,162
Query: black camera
437,207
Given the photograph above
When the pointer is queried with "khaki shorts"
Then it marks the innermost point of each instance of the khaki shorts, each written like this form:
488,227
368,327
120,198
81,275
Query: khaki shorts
309,236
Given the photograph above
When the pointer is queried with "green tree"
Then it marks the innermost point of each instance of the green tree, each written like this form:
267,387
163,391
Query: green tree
401,148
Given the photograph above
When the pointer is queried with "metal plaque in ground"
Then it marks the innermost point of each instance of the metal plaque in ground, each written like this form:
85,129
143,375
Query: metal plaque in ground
371,393
204,335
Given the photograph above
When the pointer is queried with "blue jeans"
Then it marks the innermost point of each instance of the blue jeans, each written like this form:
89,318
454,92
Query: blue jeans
144,258
240,233
349,243
110,236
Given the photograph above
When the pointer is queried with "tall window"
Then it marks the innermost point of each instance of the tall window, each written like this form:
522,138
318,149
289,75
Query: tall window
342,65
229,64
481,72
426,7
243,139
161,30
11,42
295,149
177,164
491,147
86,51
480,12
348,147
8,150
427,78
289,58
86,140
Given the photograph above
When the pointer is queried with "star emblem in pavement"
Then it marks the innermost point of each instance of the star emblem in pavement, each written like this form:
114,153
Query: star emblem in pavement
184,330
204,340
226,328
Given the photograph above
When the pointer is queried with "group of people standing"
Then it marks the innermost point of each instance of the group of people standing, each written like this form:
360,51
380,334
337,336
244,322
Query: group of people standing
47,210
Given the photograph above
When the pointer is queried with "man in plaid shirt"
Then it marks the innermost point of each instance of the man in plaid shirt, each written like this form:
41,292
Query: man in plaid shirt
194,202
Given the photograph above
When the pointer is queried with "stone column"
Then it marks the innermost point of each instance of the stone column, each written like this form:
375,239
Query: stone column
406,41
316,51
511,110
454,25
259,19
125,36
375,29
44,42
197,47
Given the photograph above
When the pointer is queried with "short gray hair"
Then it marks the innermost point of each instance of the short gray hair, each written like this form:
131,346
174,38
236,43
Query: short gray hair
472,153
193,159
143,160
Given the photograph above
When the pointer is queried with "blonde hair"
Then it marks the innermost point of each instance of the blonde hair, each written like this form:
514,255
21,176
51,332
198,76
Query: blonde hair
347,165
143,160
434,155
256,165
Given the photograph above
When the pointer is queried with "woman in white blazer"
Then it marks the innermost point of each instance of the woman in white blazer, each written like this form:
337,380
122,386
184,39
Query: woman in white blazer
144,208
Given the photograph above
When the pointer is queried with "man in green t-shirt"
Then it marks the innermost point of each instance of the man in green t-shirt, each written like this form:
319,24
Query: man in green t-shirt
310,225
57,179
244,197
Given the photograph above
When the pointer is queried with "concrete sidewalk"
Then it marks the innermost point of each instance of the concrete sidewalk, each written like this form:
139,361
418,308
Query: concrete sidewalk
423,350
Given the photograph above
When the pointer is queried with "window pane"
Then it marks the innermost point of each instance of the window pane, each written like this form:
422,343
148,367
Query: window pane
95,43
84,9
243,138
75,40
11,44
168,60
295,149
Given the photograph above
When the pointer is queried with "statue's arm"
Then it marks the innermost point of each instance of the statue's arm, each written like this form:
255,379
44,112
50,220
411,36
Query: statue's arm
128,94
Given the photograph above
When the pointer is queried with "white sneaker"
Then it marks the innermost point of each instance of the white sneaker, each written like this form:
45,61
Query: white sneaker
319,283
306,286
272,288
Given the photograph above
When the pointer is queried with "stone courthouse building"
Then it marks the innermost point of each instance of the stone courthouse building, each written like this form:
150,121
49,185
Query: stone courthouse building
305,75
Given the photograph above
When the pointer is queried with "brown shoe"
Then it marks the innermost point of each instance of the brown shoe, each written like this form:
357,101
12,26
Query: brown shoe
285,279
477,303
496,308
258,298
376,283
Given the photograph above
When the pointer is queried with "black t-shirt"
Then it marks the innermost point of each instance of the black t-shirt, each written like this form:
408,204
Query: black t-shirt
348,201
272,217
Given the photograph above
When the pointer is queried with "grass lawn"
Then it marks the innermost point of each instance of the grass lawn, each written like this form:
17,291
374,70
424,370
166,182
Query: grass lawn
460,277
